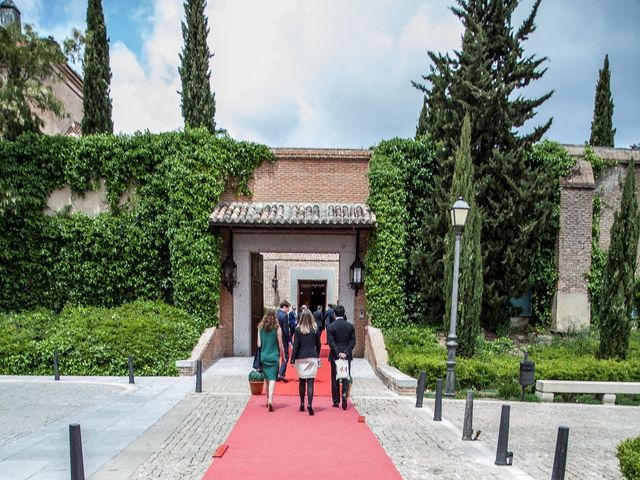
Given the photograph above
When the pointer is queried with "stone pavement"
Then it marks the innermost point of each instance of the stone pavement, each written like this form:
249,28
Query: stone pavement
161,429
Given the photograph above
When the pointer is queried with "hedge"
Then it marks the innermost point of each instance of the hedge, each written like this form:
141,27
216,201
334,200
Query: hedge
629,457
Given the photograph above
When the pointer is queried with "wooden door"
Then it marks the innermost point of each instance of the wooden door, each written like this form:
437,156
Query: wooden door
257,297
312,293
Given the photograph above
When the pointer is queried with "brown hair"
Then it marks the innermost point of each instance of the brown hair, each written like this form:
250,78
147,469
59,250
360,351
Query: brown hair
269,321
307,323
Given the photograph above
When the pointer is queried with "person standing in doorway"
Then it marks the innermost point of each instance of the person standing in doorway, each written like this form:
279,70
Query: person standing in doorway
305,355
271,350
283,321
341,336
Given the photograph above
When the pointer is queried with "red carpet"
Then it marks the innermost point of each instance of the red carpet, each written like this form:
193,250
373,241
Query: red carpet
290,445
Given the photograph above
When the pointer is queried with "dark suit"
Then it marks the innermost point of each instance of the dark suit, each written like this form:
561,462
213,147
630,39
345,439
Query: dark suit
341,336
283,321
319,318
329,317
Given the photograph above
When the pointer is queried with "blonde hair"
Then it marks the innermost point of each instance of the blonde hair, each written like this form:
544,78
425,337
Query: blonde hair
307,323
269,321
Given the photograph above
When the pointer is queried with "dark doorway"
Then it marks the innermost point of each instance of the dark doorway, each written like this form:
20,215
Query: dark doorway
257,298
312,293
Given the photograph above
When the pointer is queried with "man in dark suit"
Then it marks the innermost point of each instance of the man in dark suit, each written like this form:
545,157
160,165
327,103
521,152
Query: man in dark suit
283,320
329,317
318,316
342,340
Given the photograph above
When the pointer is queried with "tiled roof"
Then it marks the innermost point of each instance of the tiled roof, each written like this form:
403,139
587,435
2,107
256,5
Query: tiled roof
291,214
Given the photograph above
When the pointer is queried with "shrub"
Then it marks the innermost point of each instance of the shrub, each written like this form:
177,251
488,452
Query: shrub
256,376
97,341
629,457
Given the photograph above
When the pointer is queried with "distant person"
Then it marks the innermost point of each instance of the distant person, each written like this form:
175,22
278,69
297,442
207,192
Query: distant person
283,321
341,336
272,350
329,317
305,355
318,316
293,321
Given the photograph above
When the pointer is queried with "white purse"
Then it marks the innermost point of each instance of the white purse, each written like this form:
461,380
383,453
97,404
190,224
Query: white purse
342,369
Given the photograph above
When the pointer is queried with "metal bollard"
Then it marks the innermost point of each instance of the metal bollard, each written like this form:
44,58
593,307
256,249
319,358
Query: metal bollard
437,411
56,367
198,376
130,361
75,448
560,459
420,390
467,430
503,456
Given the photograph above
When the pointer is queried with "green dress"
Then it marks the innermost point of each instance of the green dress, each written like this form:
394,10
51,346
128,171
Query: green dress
269,354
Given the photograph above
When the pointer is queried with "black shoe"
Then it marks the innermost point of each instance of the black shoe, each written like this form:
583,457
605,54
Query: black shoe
302,407
279,379
344,402
310,410
335,405
282,379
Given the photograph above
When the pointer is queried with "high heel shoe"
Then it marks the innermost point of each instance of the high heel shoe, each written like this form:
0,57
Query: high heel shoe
310,409
302,407
270,406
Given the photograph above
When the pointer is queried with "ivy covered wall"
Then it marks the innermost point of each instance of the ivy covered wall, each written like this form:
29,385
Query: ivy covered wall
156,247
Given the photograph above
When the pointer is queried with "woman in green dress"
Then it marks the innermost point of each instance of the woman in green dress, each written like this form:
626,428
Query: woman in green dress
272,351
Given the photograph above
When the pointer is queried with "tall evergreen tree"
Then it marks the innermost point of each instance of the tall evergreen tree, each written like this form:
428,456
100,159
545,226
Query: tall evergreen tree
485,79
97,74
618,284
197,100
421,129
602,131
470,287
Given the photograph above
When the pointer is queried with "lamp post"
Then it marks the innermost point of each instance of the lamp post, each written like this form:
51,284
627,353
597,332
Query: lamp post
230,269
459,213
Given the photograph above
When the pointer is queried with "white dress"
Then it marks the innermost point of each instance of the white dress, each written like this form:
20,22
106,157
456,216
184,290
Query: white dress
307,367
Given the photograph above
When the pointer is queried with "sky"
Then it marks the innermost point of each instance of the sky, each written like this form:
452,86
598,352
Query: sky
337,73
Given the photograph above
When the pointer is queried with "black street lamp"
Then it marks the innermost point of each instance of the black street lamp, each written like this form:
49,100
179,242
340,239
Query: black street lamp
459,213
9,13
356,270
230,269
274,280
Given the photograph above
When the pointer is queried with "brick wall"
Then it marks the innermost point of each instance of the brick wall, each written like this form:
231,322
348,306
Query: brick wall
310,176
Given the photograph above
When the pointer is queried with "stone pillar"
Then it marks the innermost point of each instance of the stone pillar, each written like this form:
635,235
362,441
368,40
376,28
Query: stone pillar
225,327
360,306
571,309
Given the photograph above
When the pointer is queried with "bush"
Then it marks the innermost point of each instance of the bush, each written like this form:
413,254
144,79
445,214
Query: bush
256,376
97,341
629,457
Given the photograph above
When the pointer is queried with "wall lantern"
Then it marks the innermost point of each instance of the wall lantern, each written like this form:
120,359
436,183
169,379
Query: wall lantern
356,270
230,269
9,13
274,280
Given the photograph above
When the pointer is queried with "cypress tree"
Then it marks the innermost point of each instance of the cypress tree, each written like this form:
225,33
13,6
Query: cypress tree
197,100
470,281
97,74
618,284
421,129
602,131
484,79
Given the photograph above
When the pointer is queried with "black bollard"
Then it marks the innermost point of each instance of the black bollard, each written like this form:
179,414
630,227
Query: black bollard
420,390
56,368
130,361
467,429
198,376
437,411
560,459
75,448
504,457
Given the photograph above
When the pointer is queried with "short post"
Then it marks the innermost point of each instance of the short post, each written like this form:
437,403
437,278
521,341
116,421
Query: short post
503,456
56,367
420,390
437,410
75,448
467,430
560,459
198,376
130,361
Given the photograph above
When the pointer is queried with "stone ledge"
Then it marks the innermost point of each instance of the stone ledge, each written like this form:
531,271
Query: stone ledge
399,382
545,389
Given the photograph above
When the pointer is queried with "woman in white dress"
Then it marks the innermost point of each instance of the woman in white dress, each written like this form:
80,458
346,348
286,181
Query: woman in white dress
305,356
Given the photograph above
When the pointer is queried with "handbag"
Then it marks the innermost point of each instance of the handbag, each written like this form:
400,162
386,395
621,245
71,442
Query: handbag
342,369
256,360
